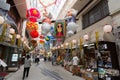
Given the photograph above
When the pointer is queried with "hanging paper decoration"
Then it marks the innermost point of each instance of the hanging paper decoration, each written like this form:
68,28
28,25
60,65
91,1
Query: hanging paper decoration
34,34
45,28
32,26
47,3
47,38
42,41
71,20
41,36
33,14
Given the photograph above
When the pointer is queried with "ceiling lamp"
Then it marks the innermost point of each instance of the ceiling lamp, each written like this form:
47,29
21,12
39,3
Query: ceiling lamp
1,20
33,14
107,28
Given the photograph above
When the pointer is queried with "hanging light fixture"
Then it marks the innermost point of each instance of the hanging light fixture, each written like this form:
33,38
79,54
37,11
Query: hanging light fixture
107,28
1,20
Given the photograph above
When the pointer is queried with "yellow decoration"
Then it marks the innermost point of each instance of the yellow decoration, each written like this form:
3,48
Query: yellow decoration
97,38
19,42
13,39
81,41
2,36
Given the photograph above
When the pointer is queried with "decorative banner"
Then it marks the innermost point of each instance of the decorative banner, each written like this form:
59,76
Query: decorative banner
81,41
34,34
33,14
2,36
32,26
60,29
47,3
97,38
13,39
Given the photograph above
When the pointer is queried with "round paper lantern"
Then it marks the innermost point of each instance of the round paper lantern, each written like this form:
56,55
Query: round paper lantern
12,31
34,34
46,27
33,14
107,28
1,20
32,25
72,26
69,33
86,37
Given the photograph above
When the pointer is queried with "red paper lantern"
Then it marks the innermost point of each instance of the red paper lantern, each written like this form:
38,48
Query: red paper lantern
33,14
42,41
34,34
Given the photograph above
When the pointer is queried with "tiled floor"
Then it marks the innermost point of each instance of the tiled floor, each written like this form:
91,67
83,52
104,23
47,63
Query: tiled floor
44,71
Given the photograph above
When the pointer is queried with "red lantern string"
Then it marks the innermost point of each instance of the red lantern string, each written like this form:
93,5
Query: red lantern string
49,4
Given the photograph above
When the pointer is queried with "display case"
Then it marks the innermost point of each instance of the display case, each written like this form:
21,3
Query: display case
107,60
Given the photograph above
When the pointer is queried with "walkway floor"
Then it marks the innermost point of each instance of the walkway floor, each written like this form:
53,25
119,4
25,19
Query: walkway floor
44,71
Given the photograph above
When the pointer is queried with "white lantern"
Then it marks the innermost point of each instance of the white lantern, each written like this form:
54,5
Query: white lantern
69,33
12,31
1,20
18,36
10,36
46,27
107,28
66,44
86,37
72,26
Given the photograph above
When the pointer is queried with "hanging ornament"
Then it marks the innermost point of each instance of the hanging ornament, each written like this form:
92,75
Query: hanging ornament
41,36
72,26
34,34
33,14
45,28
32,25
42,41
47,38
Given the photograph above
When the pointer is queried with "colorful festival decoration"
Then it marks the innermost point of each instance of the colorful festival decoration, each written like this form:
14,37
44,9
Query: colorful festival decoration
34,34
47,38
41,36
31,26
33,14
42,41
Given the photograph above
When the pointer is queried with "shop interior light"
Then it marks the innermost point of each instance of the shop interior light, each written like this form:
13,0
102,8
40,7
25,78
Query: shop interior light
74,41
66,44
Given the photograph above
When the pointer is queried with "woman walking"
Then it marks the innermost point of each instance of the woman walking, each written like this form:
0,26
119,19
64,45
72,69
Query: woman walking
27,65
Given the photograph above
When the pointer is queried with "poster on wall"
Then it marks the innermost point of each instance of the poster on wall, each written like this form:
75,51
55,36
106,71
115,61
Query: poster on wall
60,29
14,57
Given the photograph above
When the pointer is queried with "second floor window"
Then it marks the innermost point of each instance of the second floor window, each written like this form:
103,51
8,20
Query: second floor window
97,13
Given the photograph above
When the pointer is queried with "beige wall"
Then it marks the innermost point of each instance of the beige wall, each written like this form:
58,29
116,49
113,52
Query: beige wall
91,30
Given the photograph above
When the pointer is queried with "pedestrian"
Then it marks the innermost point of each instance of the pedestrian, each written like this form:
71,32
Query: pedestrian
75,61
27,65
